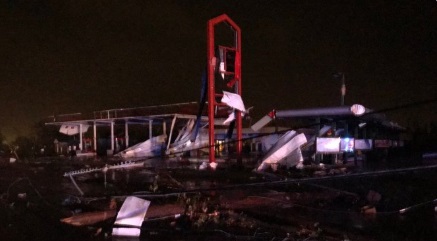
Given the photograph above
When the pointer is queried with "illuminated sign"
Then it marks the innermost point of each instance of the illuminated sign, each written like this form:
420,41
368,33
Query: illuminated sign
347,144
328,145
363,144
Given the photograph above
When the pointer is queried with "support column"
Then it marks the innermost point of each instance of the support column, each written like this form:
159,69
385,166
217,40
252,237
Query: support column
317,156
112,137
171,131
126,133
95,136
150,129
80,136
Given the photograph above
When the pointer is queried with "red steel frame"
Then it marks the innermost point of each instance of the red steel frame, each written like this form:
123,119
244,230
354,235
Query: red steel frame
211,81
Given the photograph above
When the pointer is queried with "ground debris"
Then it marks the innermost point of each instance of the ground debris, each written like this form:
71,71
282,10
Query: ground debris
89,218
193,205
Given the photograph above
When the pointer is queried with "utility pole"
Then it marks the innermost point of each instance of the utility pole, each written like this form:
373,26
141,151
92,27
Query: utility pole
343,89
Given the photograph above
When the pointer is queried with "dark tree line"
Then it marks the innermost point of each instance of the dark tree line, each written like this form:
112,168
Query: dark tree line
424,138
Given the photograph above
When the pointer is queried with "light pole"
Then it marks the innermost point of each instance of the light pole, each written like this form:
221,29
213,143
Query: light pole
343,89
337,76
345,125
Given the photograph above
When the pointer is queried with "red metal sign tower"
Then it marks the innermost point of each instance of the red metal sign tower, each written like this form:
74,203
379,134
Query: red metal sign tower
231,72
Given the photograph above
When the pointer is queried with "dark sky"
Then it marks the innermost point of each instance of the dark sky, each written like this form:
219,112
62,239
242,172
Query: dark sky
85,55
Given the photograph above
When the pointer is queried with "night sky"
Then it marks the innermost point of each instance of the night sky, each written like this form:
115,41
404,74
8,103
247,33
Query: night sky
64,56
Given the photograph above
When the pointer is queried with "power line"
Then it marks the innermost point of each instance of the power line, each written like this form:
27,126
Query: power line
404,106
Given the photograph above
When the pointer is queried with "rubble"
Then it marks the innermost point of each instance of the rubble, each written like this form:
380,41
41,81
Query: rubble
227,202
